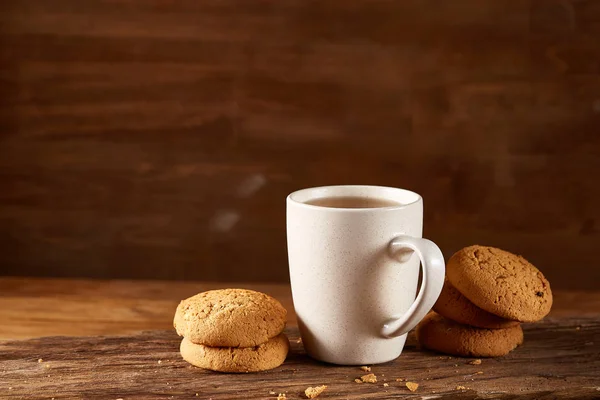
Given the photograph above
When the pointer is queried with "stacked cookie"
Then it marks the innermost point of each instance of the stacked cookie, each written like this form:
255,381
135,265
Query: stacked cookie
488,292
232,330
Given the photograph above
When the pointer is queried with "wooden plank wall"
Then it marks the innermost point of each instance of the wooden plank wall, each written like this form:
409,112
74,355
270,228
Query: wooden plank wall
158,139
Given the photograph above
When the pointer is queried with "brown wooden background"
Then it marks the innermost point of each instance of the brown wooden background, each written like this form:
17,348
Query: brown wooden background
158,139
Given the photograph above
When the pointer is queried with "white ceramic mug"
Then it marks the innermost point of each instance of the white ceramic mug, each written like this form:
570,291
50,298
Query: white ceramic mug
354,273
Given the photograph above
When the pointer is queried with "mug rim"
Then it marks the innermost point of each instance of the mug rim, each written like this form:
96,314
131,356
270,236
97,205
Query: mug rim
292,198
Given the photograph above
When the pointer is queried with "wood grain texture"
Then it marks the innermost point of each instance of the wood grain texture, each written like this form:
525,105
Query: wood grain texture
31,308
153,139
560,359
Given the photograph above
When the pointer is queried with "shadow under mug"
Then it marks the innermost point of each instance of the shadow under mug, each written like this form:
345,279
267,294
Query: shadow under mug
355,271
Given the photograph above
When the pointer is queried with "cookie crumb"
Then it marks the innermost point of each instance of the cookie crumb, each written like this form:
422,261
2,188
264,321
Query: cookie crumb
412,386
10,388
358,380
578,328
399,380
299,340
160,361
461,388
456,365
196,394
365,368
312,392
281,396
386,384
475,362
478,373
40,360
272,392
369,378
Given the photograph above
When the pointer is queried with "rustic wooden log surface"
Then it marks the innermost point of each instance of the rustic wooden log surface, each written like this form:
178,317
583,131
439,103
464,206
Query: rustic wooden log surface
559,359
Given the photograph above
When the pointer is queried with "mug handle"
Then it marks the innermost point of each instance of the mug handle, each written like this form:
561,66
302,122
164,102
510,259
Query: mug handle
432,263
